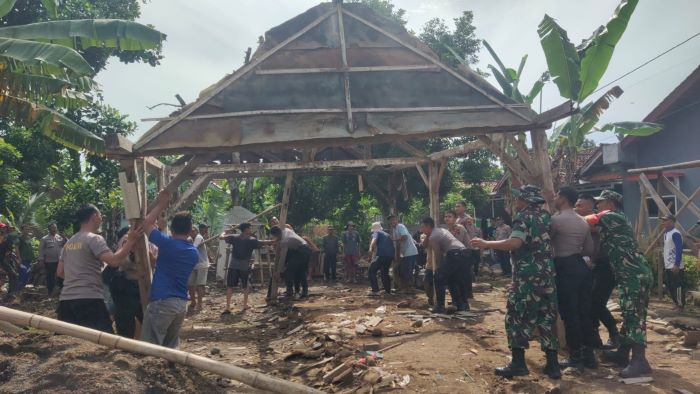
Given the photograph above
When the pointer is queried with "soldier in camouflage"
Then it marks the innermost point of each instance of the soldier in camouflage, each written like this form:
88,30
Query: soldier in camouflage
634,281
532,298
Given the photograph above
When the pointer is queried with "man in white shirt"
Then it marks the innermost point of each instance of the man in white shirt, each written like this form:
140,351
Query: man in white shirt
673,261
198,278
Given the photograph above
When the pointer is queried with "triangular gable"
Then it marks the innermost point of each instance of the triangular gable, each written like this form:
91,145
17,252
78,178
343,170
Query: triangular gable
309,82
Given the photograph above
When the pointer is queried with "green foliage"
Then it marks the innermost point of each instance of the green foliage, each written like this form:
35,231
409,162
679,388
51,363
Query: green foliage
562,59
385,8
639,129
451,45
211,207
509,79
691,279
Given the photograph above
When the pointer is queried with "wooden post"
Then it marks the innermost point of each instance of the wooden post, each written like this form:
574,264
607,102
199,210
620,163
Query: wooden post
132,207
539,146
434,190
284,210
661,266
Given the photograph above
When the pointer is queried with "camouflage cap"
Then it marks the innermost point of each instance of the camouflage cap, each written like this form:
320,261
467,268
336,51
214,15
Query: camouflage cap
529,193
610,195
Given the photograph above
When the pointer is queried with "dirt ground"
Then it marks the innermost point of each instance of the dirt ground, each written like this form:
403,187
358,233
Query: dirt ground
304,340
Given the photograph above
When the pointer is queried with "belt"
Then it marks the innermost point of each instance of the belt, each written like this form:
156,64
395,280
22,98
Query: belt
455,252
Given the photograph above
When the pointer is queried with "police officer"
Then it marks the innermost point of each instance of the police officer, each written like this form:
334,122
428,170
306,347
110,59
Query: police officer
634,280
532,298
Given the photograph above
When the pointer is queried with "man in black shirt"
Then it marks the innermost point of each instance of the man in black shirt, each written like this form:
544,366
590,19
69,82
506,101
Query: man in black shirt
239,264
330,259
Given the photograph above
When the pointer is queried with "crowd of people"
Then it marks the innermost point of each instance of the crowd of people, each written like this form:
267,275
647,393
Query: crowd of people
564,261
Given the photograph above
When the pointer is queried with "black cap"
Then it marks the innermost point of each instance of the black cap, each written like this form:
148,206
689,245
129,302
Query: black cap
203,225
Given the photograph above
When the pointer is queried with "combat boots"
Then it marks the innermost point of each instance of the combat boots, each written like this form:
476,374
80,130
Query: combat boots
516,367
552,368
638,365
621,356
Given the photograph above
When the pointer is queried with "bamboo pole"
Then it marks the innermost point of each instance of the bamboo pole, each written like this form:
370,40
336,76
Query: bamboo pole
251,378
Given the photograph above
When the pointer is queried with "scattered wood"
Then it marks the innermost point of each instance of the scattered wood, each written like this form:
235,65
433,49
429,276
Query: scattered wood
305,368
474,351
657,321
405,312
295,330
642,379
681,391
337,371
691,338
374,321
10,328
393,345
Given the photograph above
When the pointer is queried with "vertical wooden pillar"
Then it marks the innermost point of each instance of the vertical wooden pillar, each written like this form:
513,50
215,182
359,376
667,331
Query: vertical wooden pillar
284,210
434,190
660,266
539,146
133,204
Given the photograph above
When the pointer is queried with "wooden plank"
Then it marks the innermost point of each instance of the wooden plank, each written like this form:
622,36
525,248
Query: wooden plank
539,145
151,134
360,184
457,151
561,111
670,186
463,108
130,194
676,166
654,194
524,175
298,165
317,70
522,154
658,235
119,146
191,194
284,211
437,63
344,57
421,172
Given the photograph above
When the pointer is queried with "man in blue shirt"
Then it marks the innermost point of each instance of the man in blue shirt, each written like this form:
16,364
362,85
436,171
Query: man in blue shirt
408,249
177,257
382,249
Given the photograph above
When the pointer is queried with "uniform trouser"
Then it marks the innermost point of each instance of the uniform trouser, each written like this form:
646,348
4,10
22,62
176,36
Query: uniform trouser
450,274
528,310
476,261
295,274
330,261
634,301
90,313
603,285
574,286
504,261
674,285
471,259
380,264
8,266
429,285
127,300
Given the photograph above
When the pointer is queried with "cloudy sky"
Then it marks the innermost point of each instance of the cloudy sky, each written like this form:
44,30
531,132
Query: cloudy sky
207,39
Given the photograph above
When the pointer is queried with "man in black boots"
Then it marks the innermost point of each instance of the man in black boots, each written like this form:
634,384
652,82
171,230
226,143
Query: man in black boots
532,296
571,240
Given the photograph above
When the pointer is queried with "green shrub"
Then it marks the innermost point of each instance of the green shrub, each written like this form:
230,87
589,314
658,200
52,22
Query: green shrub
692,276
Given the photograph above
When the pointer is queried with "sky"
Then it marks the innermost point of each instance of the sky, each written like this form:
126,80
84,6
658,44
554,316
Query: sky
207,39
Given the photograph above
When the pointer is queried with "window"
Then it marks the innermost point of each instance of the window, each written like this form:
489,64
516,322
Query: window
669,201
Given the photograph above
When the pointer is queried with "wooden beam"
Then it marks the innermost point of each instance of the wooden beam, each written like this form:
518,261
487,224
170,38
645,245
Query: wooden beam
443,166
680,196
539,146
523,174
561,111
298,165
344,57
464,108
676,166
410,149
120,147
457,151
437,62
279,71
434,191
422,174
656,237
522,154
284,211
654,194
191,194
151,134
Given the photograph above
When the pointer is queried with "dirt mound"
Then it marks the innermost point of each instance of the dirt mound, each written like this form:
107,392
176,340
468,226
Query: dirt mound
41,362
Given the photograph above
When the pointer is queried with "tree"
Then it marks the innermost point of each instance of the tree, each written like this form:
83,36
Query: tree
451,45
577,71
385,8
41,69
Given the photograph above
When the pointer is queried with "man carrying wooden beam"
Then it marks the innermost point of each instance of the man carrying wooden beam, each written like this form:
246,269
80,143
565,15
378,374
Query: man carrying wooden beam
177,257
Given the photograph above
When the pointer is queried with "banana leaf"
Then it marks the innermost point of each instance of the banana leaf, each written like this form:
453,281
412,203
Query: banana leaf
51,7
6,6
591,112
562,59
496,58
536,88
51,123
85,33
39,53
638,129
598,50
502,80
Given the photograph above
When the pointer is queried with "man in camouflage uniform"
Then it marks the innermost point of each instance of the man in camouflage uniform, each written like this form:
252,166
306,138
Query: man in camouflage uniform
532,298
634,281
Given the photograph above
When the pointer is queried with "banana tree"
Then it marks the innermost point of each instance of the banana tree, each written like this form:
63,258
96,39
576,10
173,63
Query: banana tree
577,71
41,70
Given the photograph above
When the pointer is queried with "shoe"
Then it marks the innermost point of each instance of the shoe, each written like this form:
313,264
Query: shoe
552,368
638,365
374,294
226,312
516,367
597,341
621,356
438,309
575,360
588,358
613,342
297,296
